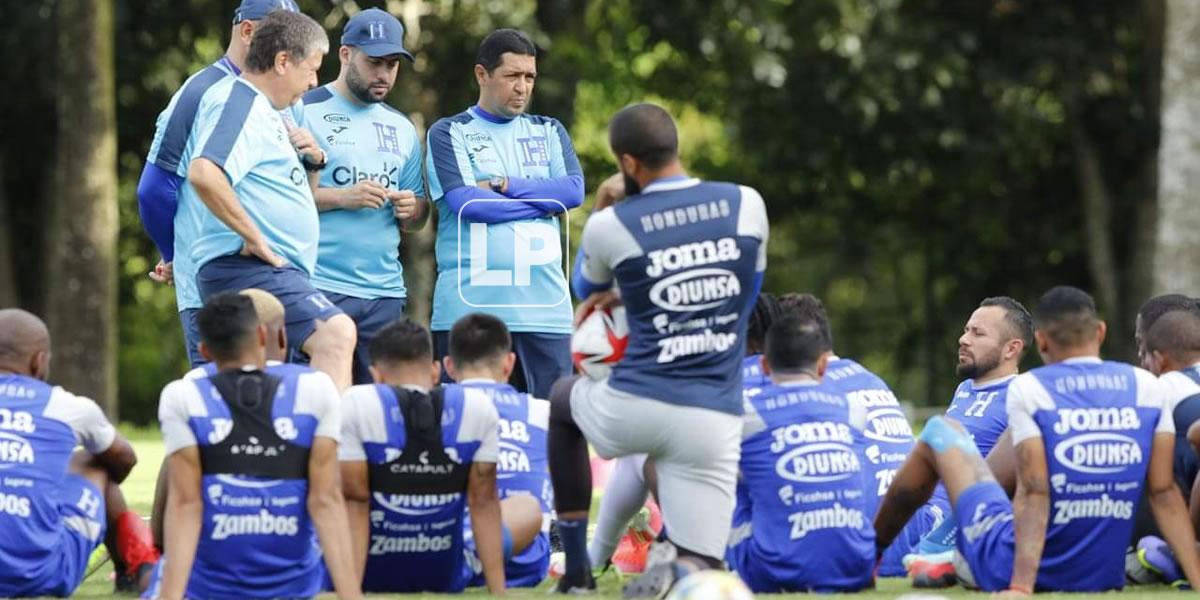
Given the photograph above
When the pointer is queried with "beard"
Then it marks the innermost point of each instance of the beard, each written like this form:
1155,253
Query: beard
631,186
978,366
359,87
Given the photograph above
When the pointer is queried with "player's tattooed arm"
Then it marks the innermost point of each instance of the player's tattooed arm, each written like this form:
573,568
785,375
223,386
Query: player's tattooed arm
356,488
328,511
1167,505
1031,512
484,503
185,511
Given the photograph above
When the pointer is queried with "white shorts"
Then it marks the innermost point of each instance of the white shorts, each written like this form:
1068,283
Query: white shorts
695,450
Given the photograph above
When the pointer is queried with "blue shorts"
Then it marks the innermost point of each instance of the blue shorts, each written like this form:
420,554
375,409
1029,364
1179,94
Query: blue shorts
191,336
748,561
473,567
527,569
542,359
921,523
369,316
985,534
81,532
303,305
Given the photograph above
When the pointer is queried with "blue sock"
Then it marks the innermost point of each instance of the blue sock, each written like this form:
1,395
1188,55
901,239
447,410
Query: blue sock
941,538
574,540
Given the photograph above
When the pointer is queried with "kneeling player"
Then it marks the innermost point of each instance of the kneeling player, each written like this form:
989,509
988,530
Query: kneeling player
252,458
1082,429
411,459
54,505
480,357
802,489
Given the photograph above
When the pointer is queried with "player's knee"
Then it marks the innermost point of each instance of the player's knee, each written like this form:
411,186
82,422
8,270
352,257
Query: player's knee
942,434
336,335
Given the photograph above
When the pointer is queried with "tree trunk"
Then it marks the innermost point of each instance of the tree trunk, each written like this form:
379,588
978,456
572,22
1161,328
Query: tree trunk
1177,245
1097,220
1140,281
8,280
82,241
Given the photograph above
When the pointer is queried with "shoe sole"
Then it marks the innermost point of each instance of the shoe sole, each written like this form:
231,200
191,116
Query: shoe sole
654,583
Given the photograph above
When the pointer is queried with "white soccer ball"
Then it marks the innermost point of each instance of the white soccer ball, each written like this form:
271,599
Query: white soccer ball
599,342
710,585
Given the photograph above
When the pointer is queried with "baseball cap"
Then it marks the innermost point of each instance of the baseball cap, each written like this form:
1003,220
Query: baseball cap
376,33
253,10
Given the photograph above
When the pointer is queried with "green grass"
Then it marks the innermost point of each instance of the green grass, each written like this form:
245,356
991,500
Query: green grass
139,490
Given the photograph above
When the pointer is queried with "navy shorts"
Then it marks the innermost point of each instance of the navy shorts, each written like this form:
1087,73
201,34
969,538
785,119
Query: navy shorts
303,305
986,538
82,530
369,316
191,336
542,359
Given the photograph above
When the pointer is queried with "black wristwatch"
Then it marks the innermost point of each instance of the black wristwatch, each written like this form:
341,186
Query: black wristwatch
497,184
313,167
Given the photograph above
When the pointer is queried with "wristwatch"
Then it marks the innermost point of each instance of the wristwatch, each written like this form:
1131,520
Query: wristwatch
497,184
312,166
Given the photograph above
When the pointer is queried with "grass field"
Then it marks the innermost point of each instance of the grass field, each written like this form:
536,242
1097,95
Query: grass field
139,490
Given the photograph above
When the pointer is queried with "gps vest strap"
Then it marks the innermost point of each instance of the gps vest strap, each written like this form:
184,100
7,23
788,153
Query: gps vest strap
252,446
423,466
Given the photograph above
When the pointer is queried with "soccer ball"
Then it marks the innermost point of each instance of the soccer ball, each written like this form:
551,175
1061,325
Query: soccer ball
599,341
710,585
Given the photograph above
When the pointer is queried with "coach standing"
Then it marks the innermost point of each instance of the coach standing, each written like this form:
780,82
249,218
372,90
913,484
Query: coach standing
170,224
373,185
500,178
262,228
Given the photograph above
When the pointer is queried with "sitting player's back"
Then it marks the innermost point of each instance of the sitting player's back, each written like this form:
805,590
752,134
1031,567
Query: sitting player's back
809,529
418,448
39,427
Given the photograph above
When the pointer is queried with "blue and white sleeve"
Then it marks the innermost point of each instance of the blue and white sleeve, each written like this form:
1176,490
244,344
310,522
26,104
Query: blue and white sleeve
411,177
226,139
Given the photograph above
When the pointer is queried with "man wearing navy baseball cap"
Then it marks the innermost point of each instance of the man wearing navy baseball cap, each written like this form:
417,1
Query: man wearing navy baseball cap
171,221
372,188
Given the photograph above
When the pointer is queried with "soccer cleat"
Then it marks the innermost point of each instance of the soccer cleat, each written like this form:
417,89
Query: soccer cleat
927,559
1136,572
1156,556
933,574
657,581
575,586
634,547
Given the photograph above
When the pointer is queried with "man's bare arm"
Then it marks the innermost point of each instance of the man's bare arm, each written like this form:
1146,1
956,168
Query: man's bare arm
1031,511
1166,503
328,512
214,190
484,503
356,489
182,523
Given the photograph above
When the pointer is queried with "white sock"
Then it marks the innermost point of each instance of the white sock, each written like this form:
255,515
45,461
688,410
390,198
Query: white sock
623,497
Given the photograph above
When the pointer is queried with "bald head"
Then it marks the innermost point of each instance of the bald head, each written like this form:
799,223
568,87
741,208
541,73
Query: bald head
1174,340
24,343
647,133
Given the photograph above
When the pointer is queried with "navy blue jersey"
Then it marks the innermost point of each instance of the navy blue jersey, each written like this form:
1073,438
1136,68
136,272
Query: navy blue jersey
254,431
416,541
803,481
1097,420
688,257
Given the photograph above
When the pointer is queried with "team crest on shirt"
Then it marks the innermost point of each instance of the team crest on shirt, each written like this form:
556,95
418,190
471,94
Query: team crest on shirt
388,138
534,152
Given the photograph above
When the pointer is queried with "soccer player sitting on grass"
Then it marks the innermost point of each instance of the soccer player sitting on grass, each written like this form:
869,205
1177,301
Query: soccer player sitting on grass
801,491
413,458
56,503
1088,435
252,460
481,358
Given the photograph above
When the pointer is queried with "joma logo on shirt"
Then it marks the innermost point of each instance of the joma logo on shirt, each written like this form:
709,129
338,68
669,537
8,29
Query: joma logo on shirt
696,254
1096,419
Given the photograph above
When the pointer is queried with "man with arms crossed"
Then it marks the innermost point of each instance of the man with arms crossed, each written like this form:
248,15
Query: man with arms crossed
499,178
372,186
681,373
262,227
1088,435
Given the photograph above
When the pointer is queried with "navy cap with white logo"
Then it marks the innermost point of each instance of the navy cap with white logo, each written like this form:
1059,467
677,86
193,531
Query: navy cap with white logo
376,33
253,10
